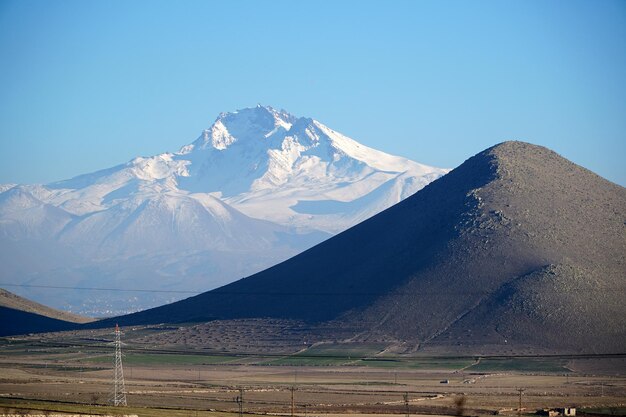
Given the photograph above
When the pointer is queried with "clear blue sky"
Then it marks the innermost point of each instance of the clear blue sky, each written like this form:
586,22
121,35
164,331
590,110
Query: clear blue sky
90,84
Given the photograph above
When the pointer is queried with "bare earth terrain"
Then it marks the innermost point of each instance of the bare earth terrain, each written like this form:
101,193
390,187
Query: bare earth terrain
72,371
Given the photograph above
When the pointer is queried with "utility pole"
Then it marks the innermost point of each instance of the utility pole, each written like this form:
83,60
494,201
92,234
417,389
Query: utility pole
292,403
519,409
406,403
239,400
119,388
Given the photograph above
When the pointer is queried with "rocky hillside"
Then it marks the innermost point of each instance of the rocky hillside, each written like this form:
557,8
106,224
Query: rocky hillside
516,250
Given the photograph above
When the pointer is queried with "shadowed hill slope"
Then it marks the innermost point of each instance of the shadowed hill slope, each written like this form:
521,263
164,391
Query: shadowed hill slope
516,247
14,322
14,301
19,316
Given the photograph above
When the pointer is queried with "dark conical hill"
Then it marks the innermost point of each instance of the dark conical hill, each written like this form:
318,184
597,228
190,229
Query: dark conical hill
496,253
538,210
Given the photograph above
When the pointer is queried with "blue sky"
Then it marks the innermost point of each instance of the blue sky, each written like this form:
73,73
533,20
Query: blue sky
90,84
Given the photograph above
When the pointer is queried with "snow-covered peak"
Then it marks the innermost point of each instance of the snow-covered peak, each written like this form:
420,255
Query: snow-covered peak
261,147
249,124
5,187
16,199
263,129
158,167
249,158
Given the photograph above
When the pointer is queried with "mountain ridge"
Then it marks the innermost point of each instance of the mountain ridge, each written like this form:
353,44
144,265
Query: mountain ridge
257,187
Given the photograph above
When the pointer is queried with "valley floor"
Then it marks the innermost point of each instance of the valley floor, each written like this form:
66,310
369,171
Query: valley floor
72,372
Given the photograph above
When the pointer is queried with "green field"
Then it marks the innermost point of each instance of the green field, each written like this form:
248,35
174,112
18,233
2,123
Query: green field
298,360
362,354
446,364
344,350
168,359
324,354
520,365
330,354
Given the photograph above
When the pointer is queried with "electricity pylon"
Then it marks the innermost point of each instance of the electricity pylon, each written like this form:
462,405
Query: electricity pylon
119,389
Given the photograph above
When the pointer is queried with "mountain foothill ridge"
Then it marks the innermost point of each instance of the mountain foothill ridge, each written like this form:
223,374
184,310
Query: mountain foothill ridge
22,316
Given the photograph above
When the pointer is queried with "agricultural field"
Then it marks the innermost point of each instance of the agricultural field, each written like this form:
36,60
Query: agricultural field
73,373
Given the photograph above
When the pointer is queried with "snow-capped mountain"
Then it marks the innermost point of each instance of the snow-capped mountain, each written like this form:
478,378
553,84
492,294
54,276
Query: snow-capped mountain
296,171
255,188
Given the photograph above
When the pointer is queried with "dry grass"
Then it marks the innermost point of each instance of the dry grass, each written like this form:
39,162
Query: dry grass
42,373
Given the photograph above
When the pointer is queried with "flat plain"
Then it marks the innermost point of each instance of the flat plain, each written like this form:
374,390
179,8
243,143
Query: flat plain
73,372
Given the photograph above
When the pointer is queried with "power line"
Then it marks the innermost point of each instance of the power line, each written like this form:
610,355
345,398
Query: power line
60,287
220,292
